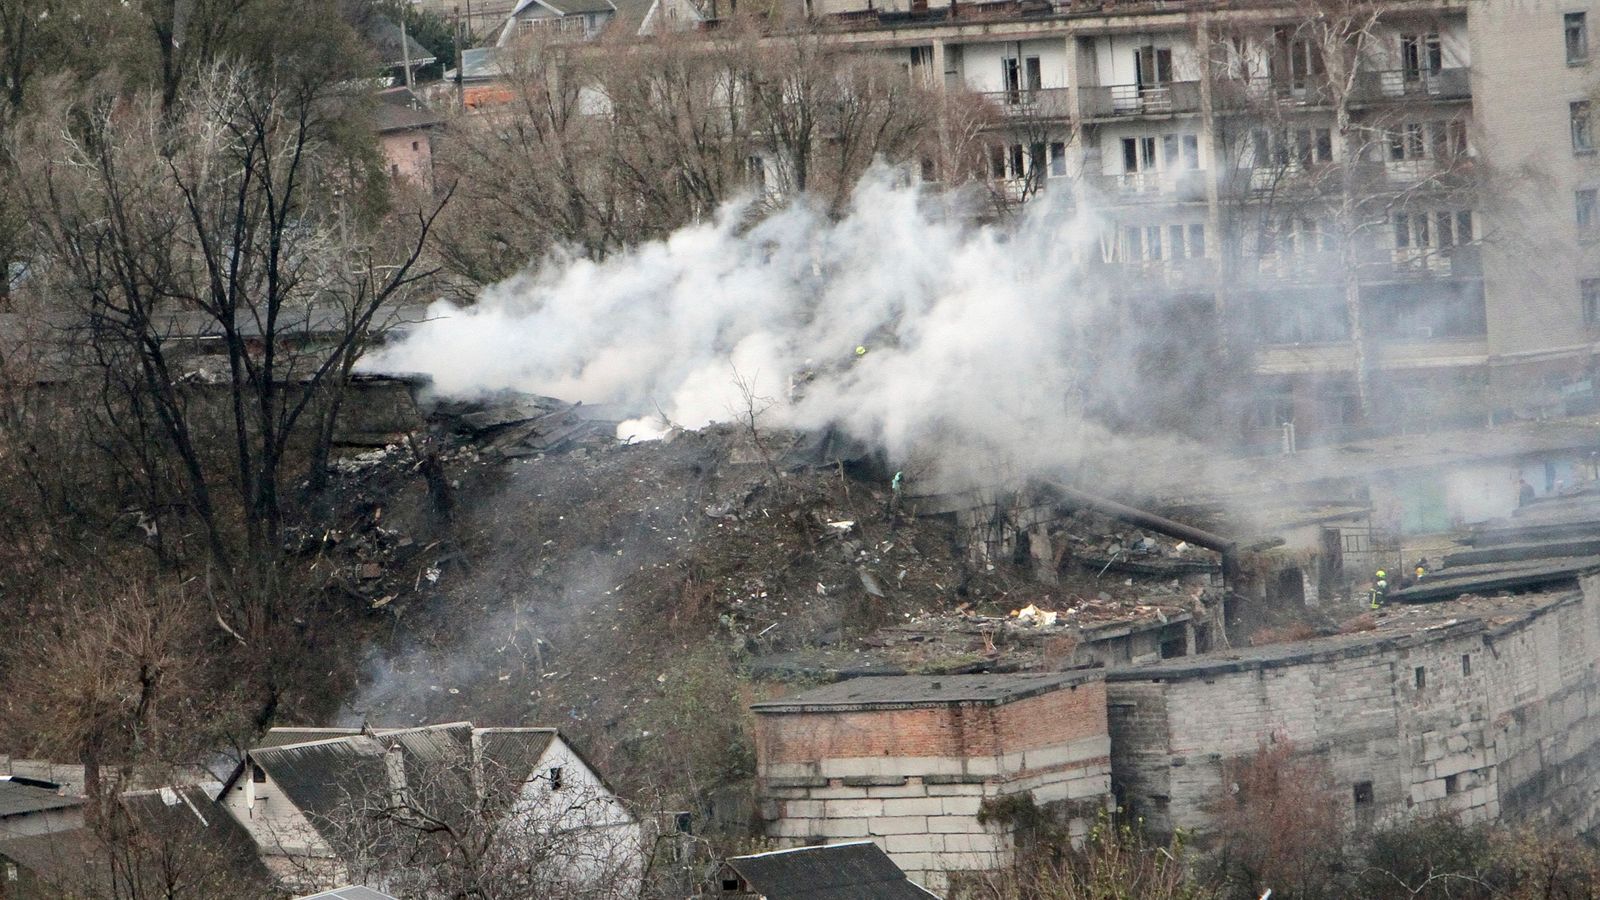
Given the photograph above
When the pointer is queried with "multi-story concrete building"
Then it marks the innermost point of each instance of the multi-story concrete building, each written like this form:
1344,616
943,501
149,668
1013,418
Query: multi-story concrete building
1389,208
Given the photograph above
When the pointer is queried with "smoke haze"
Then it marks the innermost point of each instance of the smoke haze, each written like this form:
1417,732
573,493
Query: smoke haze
979,341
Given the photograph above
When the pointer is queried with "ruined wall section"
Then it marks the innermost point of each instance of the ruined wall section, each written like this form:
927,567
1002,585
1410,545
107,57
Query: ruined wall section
914,779
1484,718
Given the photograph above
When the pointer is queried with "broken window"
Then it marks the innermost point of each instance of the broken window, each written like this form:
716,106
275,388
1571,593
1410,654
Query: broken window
1452,784
1363,793
1576,26
1421,677
1582,132
1421,56
555,778
258,774
1038,155
1589,292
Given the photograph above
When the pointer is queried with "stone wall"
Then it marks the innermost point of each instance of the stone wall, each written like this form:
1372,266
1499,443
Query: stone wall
914,778
1485,718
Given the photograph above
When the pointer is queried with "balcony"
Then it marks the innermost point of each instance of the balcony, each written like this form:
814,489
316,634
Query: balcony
1398,85
1119,100
1244,94
1154,187
1423,263
1170,274
1032,104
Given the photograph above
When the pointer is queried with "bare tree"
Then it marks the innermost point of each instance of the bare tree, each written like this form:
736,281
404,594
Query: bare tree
1325,155
224,223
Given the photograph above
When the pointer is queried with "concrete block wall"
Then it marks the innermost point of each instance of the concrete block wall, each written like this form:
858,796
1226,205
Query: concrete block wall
1483,719
914,779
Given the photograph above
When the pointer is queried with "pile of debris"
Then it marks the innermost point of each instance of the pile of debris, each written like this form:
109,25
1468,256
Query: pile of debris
525,425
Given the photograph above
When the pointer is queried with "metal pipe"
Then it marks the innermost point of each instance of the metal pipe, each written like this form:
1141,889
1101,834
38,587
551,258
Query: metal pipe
1197,536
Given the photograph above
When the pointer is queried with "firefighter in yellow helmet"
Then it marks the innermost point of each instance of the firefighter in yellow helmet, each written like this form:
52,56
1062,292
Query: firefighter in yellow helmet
1380,588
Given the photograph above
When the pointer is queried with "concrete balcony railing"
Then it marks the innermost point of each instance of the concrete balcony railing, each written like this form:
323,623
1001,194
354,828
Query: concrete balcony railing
1111,101
1036,103
1154,187
1242,94
1398,84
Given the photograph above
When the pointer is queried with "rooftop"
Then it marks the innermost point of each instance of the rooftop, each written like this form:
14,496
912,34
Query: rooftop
1397,625
19,798
855,871
906,691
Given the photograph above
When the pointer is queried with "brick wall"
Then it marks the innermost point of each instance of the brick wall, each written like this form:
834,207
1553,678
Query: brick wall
1504,723
952,731
913,780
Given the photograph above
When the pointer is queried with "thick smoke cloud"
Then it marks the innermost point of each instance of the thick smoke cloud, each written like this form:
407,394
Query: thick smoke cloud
978,340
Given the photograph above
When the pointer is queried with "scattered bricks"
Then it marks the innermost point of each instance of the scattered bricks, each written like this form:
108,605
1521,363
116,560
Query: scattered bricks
917,843
953,824
961,806
898,825
853,808
861,781
920,806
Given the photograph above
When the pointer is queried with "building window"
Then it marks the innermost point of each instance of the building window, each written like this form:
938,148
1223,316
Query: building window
1022,78
1589,290
1058,160
1408,142
1576,26
1588,204
1452,784
415,146
1363,793
1466,664
1197,241
1582,132
555,778
1152,66
1420,675
258,774
1421,56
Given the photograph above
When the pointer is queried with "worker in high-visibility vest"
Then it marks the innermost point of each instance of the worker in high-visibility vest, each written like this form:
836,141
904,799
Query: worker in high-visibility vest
1380,588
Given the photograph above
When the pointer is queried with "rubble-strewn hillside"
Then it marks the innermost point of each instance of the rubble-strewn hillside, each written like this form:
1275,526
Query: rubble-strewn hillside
523,567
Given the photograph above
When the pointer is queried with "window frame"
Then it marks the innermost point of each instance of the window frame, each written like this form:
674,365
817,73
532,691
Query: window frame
1581,45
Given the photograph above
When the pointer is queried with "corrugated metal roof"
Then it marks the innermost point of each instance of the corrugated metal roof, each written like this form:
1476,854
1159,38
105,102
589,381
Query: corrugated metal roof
280,737
857,871
19,799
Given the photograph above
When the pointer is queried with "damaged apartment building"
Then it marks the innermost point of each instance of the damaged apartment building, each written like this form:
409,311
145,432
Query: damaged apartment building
1431,262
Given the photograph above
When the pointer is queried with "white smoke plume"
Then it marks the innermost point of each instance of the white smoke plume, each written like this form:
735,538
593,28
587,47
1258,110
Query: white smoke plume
977,340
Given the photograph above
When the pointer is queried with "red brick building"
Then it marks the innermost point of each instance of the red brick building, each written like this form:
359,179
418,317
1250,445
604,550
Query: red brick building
908,761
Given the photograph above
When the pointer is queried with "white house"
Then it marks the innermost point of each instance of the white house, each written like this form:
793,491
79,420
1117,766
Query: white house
327,807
